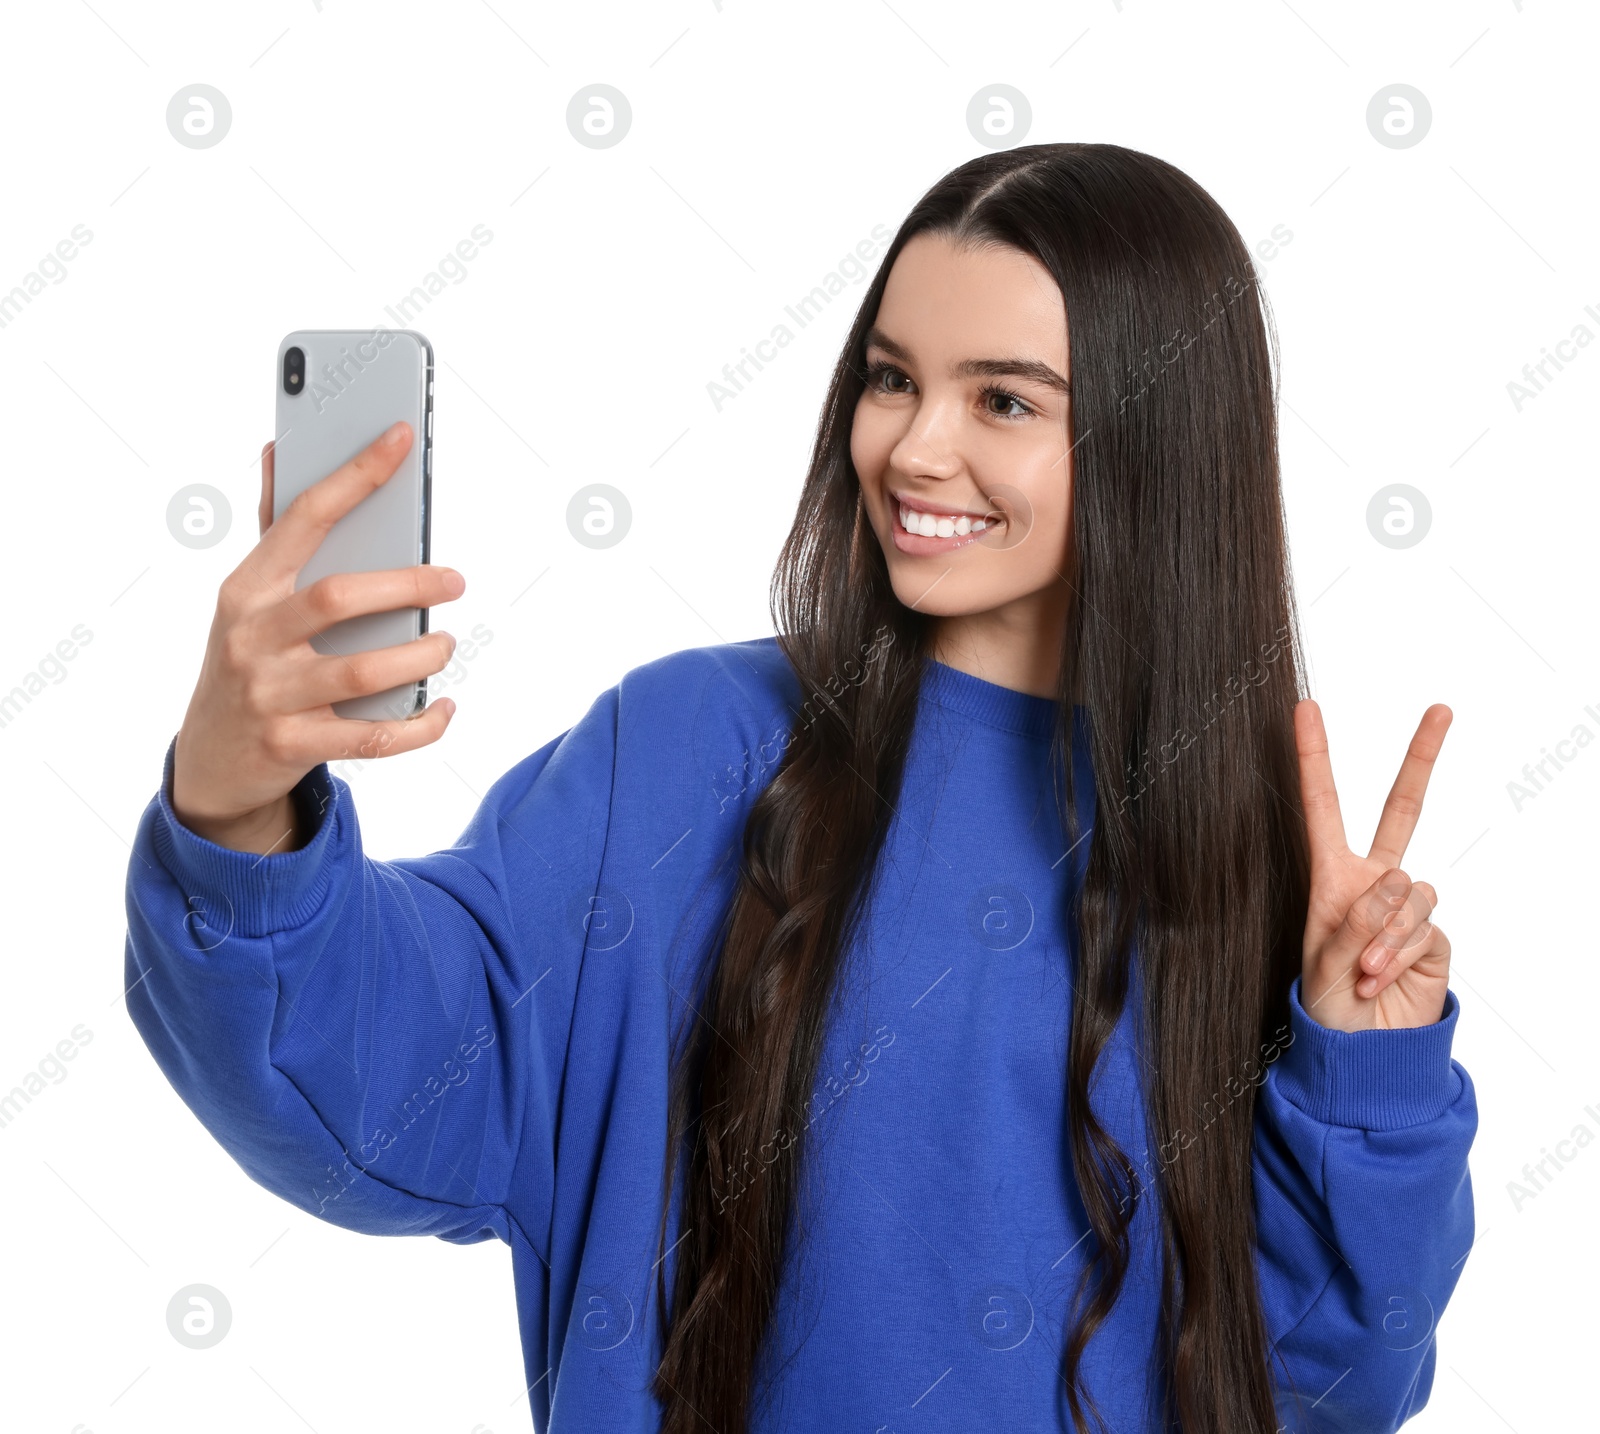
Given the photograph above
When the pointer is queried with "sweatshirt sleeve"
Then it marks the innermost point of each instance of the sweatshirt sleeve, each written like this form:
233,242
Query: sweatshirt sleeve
379,1043
1363,1216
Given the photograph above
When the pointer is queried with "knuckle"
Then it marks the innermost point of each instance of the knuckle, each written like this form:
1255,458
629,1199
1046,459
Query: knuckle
334,593
311,508
353,674
369,464
236,648
276,742
303,505
230,595
253,692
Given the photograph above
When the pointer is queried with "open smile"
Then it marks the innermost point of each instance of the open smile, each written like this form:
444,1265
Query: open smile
922,532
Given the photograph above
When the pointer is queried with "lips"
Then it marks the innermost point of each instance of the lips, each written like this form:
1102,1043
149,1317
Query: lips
924,531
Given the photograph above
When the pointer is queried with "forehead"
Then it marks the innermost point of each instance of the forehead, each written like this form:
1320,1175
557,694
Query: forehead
944,301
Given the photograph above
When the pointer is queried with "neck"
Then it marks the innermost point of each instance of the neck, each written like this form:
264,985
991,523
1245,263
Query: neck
1017,645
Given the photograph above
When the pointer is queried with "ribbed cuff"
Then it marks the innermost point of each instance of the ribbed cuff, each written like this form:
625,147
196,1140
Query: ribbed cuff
243,892
1369,1080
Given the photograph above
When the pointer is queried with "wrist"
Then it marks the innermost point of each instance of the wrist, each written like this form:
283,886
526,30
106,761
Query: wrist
1368,1079
274,827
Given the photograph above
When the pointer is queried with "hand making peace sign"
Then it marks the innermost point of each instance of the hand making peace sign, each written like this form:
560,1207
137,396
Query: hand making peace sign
1373,957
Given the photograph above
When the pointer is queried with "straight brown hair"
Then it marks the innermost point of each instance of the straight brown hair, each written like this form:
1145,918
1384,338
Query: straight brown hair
1183,646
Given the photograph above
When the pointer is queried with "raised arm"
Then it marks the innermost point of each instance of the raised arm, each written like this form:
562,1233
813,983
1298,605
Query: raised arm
377,1041
374,1041
1364,1124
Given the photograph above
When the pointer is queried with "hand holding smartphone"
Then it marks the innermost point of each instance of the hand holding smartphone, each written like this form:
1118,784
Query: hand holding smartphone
338,390
280,661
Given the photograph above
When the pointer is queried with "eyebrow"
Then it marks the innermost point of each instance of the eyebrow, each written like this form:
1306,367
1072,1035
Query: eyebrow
1040,373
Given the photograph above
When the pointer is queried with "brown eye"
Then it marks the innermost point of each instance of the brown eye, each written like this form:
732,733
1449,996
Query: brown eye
1007,401
878,372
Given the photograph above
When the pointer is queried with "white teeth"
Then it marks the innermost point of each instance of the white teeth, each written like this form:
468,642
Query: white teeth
931,527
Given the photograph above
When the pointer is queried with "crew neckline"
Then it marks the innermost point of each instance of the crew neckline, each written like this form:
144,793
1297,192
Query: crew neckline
988,702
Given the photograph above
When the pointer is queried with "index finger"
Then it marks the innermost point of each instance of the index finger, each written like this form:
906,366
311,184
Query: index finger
1317,793
1404,803
288,544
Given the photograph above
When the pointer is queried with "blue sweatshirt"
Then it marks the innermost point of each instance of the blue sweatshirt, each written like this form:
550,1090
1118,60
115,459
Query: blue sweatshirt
475,1043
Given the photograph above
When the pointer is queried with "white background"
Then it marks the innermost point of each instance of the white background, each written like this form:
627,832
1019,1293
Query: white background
766,142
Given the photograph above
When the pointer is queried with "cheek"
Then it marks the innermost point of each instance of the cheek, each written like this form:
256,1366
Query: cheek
1052,519
871,442
1035,551
1047,487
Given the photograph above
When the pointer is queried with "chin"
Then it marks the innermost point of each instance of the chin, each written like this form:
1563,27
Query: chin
914,592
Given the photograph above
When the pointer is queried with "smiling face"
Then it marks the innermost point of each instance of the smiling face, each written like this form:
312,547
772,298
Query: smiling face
961,444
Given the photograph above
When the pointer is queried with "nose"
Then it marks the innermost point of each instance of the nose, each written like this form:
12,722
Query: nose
928,447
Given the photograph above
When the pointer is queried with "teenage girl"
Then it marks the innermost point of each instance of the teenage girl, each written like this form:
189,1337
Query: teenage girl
962,1010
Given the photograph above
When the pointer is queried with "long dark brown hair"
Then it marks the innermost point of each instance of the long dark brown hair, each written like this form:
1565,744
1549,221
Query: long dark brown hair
1182,645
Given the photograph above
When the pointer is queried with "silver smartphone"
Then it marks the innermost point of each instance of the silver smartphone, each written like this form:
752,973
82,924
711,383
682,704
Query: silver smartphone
338,389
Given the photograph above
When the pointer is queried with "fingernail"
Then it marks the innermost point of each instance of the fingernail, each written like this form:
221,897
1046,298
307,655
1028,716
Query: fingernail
454,583
1394,887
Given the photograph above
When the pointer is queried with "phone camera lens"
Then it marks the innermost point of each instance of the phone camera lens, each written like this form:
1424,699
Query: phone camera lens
294,368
